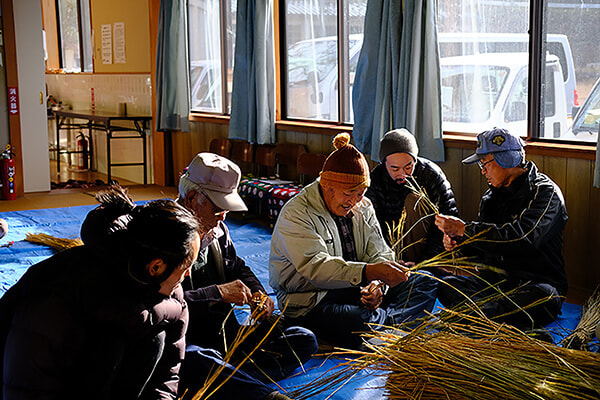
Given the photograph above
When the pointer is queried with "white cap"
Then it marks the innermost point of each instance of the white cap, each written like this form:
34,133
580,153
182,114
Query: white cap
218,178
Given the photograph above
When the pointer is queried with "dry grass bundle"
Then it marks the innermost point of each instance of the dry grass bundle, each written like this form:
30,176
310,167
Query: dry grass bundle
457,356
583,334
51,241
424,202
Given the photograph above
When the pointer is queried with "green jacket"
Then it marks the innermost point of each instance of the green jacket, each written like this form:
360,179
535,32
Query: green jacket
306,251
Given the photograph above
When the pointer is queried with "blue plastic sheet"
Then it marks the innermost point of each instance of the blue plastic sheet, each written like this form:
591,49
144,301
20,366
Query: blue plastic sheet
252,243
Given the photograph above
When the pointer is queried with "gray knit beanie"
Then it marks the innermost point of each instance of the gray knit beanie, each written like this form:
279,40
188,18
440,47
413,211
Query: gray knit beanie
398,141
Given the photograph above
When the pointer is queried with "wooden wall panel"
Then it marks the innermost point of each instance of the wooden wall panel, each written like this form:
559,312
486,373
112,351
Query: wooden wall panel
452,167
537,159
577,231
472,188
591,269
556,169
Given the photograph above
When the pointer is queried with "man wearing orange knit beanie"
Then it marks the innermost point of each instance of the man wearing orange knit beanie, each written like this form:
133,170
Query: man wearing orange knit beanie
329,265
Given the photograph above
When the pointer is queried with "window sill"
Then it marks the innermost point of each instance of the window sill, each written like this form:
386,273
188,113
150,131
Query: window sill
568,150
457,140
322,128
210,118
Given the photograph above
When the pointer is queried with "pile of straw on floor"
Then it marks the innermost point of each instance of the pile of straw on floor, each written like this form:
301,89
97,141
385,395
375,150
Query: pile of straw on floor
458,356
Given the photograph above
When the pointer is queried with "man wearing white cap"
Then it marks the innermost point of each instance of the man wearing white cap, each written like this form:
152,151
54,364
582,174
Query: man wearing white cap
521,222
220,278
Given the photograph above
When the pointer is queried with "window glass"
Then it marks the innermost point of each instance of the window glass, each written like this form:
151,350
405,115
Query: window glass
312,58
209,56
484,60
572,37
75,35
230,38
470,92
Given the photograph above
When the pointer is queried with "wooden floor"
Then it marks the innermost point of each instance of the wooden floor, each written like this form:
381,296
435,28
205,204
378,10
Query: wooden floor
81,196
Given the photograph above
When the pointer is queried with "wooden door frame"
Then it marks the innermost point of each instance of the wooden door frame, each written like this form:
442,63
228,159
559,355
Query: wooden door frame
12,80
158,138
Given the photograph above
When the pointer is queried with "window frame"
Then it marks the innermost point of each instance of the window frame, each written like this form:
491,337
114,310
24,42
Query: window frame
343,67
535,145
197,115
82,50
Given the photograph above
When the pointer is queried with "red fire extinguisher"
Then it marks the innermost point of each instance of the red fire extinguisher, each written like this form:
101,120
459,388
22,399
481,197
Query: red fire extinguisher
7,174
82,150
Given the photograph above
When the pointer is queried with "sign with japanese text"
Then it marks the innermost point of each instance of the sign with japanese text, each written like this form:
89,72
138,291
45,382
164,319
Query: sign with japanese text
13,100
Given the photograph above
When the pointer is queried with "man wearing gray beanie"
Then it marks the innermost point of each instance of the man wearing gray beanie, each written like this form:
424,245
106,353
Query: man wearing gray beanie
391,192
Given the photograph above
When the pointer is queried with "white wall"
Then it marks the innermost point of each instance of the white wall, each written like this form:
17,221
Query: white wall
31,70
109,90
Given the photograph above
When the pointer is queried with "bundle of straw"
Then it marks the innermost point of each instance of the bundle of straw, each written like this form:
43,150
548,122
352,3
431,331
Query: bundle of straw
458,356
51,241
583,334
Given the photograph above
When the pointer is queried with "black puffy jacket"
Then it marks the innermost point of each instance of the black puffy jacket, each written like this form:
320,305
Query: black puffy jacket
77,326
524,224
388,199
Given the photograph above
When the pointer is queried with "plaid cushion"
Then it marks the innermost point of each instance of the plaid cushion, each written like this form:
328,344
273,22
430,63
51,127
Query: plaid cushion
274,194
278,196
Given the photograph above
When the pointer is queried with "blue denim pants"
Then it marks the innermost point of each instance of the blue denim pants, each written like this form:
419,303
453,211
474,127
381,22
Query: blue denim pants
277,358
340,317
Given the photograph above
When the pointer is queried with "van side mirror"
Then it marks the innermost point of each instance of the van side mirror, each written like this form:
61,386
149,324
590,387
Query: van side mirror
575,110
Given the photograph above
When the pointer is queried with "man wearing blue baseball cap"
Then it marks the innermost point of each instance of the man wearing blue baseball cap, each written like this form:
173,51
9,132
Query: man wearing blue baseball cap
521,220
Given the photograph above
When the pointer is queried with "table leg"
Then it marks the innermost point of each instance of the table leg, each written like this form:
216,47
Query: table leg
58,144
143,133
90,147
108,162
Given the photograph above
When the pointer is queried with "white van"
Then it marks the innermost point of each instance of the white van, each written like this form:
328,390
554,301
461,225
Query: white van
313,76
586,123
462,44
483,91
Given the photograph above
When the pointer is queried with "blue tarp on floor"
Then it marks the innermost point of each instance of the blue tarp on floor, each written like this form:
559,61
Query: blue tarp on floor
252,243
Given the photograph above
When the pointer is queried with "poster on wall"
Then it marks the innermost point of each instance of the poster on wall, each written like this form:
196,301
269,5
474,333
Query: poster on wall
13,100
119,42
107,44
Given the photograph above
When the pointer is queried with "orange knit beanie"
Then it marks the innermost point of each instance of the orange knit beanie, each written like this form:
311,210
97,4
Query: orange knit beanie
346,168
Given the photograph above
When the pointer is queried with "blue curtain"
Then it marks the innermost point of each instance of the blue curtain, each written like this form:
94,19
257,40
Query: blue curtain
172,68
397,83
253,95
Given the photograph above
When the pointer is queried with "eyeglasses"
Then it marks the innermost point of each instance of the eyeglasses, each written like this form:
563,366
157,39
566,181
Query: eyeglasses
216,210
482,165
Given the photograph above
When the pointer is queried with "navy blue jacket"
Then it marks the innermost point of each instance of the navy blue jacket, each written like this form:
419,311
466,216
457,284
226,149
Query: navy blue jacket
78,326
524,225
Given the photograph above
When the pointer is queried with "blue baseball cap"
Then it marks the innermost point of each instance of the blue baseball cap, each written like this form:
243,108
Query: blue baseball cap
506,148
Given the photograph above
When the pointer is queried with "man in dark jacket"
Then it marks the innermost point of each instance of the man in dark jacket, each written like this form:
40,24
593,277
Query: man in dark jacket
392,190
221,278
105,320
521,222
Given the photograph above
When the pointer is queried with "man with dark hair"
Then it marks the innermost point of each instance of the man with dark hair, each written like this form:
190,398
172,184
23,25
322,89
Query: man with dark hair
105,320
221,278
520,228
392,192
328,258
